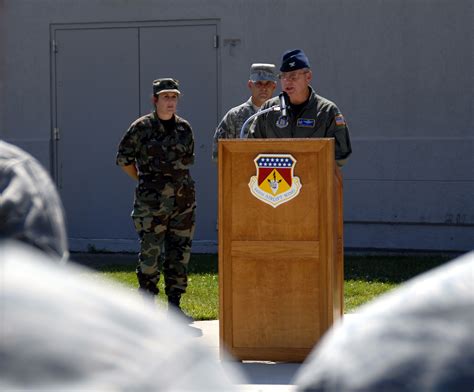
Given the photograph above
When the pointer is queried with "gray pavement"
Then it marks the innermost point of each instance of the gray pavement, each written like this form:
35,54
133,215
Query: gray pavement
261,375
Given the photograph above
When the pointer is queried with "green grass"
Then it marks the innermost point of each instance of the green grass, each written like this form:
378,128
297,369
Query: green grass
365,278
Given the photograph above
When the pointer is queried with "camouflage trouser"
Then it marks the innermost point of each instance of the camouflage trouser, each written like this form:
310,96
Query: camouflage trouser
164,219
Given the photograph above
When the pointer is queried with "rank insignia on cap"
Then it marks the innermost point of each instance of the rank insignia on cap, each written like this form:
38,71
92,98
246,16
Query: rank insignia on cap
340,120
274,182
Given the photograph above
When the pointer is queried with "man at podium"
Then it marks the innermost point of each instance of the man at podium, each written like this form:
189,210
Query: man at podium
303,113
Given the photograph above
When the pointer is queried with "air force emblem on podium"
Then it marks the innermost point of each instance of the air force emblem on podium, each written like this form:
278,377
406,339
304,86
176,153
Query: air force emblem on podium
275,183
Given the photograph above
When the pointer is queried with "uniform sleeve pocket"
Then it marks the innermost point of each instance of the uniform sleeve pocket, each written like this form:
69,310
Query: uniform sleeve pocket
343,148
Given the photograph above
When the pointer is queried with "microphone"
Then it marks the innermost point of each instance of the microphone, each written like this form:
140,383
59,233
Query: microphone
283,104
283,119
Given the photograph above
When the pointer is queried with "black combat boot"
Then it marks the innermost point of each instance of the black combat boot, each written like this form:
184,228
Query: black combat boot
173,305
146,286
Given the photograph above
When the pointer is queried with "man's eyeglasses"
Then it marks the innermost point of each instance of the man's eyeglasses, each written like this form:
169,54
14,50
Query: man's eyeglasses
291,77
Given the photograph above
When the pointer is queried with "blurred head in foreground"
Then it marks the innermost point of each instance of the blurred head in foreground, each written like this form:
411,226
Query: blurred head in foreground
30,208
416,338
64,329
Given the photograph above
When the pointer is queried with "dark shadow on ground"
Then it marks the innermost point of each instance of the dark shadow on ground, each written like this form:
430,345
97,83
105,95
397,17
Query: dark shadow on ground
383,268
106,261
127,262
389,269
277,373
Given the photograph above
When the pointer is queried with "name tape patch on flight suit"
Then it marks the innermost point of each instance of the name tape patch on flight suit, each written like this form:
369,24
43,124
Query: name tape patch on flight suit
306,122
340,120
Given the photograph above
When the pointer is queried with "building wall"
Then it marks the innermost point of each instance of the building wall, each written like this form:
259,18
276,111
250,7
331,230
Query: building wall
400,71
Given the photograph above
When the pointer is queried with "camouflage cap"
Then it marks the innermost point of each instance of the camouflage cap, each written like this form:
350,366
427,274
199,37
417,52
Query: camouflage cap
165,85
261,71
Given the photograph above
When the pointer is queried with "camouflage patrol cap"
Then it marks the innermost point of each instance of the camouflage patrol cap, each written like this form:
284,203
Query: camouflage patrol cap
165,85
261,71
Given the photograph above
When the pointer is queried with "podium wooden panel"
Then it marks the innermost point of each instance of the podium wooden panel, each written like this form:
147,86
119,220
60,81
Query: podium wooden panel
280,269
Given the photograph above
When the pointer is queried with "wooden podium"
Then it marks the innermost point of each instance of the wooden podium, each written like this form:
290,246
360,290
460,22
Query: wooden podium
280,267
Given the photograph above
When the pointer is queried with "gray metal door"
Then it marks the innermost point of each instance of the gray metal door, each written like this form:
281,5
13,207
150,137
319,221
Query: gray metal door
102,82
97,96
187,53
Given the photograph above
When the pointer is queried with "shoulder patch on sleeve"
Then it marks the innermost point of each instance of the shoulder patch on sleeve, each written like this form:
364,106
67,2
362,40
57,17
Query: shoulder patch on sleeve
340,121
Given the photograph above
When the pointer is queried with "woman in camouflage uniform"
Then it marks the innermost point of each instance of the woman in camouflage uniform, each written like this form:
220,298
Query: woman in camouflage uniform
158,150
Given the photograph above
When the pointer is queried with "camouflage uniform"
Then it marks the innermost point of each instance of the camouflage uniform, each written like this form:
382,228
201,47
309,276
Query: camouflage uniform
164,206
231,124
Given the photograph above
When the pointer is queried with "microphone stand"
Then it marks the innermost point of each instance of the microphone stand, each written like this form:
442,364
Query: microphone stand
260,112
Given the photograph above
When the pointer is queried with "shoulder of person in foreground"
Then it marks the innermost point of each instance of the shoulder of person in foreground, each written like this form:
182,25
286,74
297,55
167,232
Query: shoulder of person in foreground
30,207
417,337
63,328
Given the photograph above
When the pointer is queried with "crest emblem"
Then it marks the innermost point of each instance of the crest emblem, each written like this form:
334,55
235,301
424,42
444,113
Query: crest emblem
275,183
282,122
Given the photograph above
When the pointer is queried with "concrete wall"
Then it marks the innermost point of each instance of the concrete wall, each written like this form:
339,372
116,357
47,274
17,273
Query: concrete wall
400,71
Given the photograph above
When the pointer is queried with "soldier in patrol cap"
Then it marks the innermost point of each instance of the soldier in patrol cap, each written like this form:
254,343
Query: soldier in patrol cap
157,151
308,115
262,84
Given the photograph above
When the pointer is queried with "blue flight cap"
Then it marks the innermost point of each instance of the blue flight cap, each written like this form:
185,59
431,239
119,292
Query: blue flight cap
293,60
